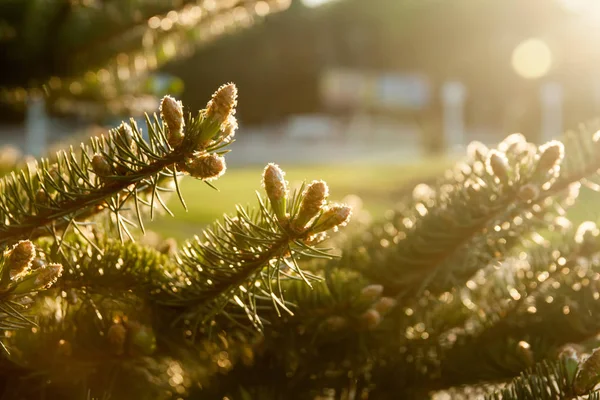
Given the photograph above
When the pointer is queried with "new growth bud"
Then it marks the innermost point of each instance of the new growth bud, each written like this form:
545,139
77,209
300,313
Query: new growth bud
223,103
276,188
124,138
19,259
370,319
512,142
477,151
206,166
101,166
334,215
497,165
551,155
39,279
171,112
371,293
313,200
218,121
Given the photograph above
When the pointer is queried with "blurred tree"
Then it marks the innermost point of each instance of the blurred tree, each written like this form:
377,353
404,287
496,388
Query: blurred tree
92,53
285,58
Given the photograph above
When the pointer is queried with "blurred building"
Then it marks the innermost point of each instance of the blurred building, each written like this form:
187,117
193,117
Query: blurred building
417,45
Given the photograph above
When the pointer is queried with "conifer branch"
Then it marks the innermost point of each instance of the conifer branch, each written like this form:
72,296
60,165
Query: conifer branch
481,211
49,198
235,262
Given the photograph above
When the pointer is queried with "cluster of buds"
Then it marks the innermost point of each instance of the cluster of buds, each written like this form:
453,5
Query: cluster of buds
514,149
22,272
215,125
378,306
314,215
219,118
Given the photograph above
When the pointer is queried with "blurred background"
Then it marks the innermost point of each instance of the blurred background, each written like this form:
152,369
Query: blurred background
372,95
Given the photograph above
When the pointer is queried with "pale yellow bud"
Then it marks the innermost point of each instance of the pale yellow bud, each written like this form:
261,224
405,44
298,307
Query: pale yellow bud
511,142
551,155
276,189
20,258
124,138
171,112
477,151
371,292
48,275
206,166
370,319
497,165
38,279
223,103
313,200
334,215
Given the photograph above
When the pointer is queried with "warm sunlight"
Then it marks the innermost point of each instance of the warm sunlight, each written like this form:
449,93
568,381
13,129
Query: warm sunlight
587,7
532,58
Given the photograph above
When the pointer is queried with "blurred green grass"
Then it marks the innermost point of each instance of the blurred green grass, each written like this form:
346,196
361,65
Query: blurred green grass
378,185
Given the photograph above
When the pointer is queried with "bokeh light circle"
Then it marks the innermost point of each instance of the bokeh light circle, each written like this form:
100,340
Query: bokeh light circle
532,58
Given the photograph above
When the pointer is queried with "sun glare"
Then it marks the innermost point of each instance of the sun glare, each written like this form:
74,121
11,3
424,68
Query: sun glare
532,58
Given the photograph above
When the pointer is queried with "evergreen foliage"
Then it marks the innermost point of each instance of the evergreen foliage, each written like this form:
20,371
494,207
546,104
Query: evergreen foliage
475,286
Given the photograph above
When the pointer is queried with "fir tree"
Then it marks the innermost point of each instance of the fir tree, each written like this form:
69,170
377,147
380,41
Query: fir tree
475,286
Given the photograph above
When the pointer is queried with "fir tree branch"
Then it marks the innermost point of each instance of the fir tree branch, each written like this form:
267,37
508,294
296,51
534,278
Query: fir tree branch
46,199
246,257
481,211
